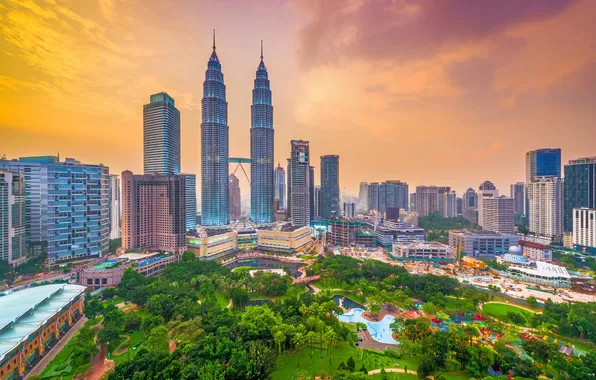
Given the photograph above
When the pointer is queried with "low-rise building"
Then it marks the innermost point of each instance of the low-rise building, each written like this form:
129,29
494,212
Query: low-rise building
110,272
423,251
212,243
32,321
536,251
524,269
284,238
471,262
482,244
390,233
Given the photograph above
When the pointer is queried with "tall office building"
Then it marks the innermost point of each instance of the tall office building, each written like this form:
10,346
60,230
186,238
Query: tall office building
584,229
543,163
311,192
280,186
154,212
373,196
235,198
470,205
74,206
261,149
580,187
330,187
317,200
545,200
299,183
441,191
191,201
114,211
161,135
289,189
460,206
427,200
392,194
518,193
498,215
486,190
362,205
36,185
13,244
214,146
449,204
413,202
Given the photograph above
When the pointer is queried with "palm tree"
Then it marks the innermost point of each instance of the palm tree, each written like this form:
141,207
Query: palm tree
298,341
310,340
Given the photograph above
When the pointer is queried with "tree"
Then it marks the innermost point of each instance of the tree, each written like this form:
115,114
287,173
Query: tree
351,364
151,322
298,341
383,374
240,298
310,340
426,367
429,308
93,308
188,256
363,369
330,338
108,293
526,368
161,304
158,340
532,300
109,337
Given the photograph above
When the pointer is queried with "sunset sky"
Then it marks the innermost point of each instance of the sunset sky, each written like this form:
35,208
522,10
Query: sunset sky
429,92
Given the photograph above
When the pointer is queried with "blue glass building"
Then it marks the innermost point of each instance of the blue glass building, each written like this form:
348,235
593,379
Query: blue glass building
261,149
66,205
161,135
580,187
214,146
329,201
543,163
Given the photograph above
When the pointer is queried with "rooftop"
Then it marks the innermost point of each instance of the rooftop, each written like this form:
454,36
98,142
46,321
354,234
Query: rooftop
479,233
531,244
25,311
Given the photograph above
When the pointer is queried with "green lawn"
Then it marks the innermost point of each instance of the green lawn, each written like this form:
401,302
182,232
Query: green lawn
341,352
113,301
460,305
500,310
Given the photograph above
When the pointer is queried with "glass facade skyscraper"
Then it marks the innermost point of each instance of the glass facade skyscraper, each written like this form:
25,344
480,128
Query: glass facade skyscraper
161,135
191,202
543,163
330,187
214,146
12,218
261,149
280,186
580,187
73,201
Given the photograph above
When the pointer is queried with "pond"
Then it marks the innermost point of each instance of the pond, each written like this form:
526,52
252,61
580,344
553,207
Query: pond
379,331
266,263
347,302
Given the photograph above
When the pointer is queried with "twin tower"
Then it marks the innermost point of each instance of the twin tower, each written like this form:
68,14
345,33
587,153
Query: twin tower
215,147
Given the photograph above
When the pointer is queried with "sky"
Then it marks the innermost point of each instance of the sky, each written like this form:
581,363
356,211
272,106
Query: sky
448,93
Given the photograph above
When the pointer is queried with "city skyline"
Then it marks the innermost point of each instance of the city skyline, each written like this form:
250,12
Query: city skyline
471,92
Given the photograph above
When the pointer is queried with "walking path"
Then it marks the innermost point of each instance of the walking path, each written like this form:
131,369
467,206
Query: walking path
49,356
401,370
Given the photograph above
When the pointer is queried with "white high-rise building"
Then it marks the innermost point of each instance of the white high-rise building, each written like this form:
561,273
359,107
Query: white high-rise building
115,216
498,215
584,230
545,203
486,190
363,198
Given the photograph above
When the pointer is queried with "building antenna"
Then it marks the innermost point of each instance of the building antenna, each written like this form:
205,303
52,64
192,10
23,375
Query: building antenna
213,39
261,50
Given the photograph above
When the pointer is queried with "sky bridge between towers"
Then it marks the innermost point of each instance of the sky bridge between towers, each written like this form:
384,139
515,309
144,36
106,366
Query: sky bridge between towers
240,161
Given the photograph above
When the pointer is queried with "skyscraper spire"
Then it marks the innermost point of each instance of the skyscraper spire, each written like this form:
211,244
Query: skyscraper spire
214,146
261,149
